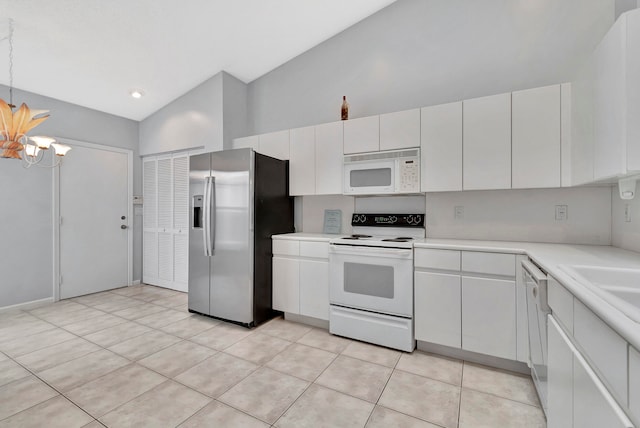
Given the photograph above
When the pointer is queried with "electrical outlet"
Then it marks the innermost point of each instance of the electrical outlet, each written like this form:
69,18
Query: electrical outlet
627,213
562,212
458,212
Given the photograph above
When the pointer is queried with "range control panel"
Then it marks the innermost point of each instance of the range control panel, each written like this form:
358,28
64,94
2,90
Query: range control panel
396,220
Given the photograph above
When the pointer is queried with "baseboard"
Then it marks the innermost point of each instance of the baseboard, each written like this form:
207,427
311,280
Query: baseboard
473,357
136,282
302,319
27,305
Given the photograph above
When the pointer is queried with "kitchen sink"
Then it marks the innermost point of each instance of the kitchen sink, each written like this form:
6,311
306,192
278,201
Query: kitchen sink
620,287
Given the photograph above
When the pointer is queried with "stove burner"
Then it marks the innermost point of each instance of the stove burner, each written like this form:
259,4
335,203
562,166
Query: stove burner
401,239
404,237
357,236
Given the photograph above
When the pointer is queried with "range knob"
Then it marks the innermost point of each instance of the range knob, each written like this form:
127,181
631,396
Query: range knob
363,218
393,219
418,219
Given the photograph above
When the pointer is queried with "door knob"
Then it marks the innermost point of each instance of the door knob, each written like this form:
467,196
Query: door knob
123,218
123,226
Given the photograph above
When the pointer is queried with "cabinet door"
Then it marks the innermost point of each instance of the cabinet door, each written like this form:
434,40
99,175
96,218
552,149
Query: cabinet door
437,308
329,158
560,378
362,135
536,138
286,285
302,163
593,405
314,289
610,100
275,144
634,382
400,130
244,142
441,148
487,143
489,316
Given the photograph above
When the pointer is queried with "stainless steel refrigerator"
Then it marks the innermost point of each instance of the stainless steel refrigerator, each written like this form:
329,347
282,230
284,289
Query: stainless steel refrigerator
238,199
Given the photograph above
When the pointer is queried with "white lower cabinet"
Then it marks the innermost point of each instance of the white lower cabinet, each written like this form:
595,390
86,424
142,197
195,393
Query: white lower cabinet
489,316
560,378
577,398
456,308
301,277
634,383
286,288
437,315
314,289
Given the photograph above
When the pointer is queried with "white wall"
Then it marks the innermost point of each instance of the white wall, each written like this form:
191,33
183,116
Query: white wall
313,212
26,198
416,53
625,234
209,115
192,120
523,215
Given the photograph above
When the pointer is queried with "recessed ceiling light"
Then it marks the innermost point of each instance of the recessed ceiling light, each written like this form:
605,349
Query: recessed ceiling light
137,93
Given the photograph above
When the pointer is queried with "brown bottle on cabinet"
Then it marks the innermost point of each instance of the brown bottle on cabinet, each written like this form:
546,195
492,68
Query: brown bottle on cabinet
345,108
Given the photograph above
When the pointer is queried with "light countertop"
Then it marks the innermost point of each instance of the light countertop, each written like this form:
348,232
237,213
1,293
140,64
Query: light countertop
301,236
550,257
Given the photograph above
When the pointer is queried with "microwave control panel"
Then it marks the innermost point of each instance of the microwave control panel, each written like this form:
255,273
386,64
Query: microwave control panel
409,175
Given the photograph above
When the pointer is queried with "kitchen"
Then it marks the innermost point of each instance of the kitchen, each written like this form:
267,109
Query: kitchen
587,215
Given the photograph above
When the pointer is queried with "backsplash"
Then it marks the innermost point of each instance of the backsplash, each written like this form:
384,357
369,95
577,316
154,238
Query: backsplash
503,215
625,234
522,215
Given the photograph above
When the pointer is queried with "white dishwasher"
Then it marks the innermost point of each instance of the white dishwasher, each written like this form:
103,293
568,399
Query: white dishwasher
537,309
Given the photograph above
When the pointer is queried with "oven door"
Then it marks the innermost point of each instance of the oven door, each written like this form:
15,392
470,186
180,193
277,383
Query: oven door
371,278
370,177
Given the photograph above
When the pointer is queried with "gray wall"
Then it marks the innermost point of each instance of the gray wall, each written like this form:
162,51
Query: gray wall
26,197
424,52
234,101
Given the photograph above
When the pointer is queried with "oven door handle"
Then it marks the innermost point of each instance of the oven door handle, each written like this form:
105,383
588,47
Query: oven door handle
400,253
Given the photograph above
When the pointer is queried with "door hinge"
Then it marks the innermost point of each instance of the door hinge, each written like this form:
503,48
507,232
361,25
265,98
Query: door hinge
60,282
60,221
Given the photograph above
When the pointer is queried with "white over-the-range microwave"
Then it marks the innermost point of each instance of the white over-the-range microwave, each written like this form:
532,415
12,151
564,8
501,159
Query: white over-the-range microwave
379,173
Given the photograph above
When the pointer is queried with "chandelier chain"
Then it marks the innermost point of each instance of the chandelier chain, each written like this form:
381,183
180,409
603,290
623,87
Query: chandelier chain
11,61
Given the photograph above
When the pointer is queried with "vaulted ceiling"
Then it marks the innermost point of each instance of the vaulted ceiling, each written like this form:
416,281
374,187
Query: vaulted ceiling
95,52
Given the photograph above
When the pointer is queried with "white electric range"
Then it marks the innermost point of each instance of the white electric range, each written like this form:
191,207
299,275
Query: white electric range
371,280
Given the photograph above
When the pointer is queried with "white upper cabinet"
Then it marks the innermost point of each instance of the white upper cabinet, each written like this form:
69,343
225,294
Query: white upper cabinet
244,142
609,103
275,144
400,130
487,143
606,106
441,148
536,138
302,165
329,158
362,135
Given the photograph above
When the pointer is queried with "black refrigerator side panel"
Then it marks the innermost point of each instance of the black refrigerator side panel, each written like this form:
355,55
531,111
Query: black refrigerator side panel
273,215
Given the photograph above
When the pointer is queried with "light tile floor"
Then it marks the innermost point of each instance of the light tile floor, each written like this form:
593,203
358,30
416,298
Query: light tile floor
135,357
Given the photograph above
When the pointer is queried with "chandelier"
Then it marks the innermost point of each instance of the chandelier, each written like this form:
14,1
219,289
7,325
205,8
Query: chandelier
14,126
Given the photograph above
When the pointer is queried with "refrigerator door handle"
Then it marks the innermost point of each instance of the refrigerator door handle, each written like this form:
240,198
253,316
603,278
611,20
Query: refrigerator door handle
212,215
206,215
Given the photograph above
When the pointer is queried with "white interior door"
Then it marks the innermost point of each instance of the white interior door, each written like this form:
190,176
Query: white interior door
94,246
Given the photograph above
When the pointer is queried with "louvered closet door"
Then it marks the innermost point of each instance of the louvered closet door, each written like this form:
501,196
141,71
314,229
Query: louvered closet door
181,222
150,222
165,222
